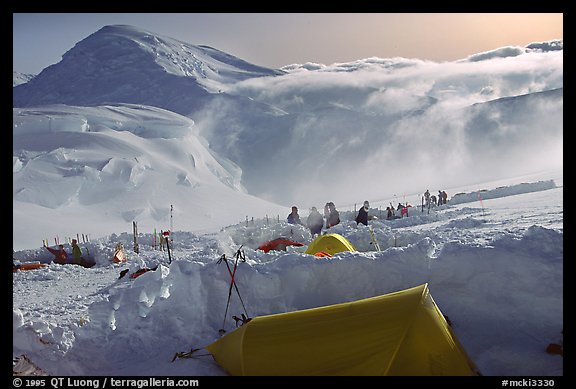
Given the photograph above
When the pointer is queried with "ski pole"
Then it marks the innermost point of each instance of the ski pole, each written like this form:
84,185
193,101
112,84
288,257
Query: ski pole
222,330
232,282
223,258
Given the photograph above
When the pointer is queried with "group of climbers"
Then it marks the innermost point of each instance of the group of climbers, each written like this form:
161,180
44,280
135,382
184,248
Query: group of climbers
433,200
61,256
315,221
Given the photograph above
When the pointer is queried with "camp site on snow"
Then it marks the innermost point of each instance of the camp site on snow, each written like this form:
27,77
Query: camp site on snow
400,333
397,332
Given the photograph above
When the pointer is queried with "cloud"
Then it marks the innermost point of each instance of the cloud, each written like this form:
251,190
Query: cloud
503,52
553,45
393,125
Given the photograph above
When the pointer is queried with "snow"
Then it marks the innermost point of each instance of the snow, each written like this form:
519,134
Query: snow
495,269
492,256
395,124
116,164
21,78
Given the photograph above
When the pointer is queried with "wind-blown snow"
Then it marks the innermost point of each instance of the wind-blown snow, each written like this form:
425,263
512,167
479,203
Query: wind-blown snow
134,127
112,165
294,125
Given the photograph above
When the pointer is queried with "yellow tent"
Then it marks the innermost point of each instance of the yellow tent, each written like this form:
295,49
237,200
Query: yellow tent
329,243
401,333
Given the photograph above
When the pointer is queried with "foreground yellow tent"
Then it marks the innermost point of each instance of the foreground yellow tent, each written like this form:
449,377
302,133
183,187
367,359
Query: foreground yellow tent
329,243
401,333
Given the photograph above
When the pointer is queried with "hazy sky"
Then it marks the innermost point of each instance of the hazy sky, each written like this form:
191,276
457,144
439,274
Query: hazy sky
277,39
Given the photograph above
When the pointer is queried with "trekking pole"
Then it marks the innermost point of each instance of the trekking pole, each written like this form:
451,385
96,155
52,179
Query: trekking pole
222,330
223,258
240,255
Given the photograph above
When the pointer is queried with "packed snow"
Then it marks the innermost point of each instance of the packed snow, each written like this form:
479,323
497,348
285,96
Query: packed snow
114,164
494,267
215,151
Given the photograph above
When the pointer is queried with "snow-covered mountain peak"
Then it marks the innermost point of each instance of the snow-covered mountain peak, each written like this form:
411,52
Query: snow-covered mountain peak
20,78
179,58
130,65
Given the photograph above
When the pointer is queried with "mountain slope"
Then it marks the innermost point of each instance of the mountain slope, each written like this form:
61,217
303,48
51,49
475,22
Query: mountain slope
125,64
381,126
21,78
93,161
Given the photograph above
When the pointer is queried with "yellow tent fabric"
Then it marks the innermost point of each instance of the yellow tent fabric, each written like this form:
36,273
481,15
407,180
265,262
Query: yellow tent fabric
329,243
401,333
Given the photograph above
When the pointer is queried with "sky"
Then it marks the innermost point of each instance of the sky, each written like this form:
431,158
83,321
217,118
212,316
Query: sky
40,39
492,258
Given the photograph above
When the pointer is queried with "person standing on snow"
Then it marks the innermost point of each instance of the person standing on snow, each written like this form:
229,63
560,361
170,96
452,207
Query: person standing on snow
444,197
390,214
327,213
427,197
363,216
76,252
293,217
333,217
315,221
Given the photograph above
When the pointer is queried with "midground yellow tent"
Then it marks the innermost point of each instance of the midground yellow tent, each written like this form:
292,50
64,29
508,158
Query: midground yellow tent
401,333
329,243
